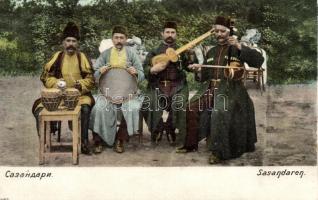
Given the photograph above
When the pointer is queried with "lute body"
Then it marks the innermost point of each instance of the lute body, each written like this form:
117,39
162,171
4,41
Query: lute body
171,55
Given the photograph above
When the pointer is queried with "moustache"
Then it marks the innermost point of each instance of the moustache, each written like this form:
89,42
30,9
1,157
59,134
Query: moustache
71,48
220,37
169,39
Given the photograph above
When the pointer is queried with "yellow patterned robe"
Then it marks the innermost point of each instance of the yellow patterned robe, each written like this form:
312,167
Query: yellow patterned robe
70,73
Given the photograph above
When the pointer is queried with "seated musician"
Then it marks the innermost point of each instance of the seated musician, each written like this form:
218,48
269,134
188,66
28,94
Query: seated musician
74,68
103,121
222,110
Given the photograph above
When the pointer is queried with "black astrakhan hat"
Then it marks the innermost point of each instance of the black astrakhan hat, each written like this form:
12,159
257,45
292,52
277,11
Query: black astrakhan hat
170,24
220,20
120,29
71,30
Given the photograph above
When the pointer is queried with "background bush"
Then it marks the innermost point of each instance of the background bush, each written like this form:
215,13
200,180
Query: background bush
30,30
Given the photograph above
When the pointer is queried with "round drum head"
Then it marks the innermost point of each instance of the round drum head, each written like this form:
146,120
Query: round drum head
118,85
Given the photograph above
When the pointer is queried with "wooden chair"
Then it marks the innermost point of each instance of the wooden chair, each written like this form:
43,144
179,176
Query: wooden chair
256,75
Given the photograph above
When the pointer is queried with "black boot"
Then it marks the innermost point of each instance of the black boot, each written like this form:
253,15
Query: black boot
185,149
85,148
170,130
85,112
156,135
98,147
171,136
119,146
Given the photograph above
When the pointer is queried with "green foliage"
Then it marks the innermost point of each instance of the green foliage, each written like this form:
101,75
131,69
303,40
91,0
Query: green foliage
289,36
30,30
43,30
12,60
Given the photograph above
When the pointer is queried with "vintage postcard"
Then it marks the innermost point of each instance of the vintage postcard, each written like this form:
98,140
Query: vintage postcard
158,99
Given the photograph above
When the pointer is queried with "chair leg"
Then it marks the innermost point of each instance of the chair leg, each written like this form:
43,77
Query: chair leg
42,131
140,127
260,82
48,136
140,137
263,85
59,125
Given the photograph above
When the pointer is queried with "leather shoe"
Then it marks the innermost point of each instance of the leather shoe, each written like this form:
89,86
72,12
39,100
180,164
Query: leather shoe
98,149
85,150
171,136
214,159
158,137
119,146
184,149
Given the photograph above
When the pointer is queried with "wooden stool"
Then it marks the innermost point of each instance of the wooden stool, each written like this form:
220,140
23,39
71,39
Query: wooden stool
45,137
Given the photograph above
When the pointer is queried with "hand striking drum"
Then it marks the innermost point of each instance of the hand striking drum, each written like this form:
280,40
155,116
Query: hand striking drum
68,69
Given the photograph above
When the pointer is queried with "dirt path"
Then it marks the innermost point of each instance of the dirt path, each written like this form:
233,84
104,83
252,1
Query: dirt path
285,117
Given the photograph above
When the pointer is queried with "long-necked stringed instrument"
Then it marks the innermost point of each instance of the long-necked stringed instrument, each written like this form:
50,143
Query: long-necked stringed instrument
220,66
235,69
172,55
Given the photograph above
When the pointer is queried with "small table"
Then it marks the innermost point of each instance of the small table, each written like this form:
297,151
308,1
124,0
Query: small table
62,114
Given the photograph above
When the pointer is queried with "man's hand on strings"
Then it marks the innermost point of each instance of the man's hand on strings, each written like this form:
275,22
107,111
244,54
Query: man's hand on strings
234,42
158,67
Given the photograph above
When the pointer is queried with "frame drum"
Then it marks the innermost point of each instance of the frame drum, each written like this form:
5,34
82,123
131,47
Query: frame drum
118,85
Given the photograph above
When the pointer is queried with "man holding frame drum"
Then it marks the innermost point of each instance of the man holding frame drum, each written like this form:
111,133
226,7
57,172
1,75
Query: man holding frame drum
111,69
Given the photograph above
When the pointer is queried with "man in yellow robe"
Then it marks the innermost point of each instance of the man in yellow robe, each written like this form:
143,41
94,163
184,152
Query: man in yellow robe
74,68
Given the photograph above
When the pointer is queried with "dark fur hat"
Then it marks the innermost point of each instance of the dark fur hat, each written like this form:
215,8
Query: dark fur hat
120,29
170,24
220,20
71,30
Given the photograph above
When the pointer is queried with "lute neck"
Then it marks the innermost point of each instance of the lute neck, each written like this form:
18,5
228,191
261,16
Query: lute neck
194,42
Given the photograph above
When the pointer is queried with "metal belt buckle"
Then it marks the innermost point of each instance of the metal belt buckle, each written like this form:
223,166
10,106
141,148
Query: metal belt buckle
215,81
165,82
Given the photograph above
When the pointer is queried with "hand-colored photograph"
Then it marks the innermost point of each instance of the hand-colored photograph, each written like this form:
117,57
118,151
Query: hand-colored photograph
158,83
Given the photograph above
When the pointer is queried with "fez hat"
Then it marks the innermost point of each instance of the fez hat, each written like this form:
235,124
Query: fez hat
120,29
71,30
220,20
170,24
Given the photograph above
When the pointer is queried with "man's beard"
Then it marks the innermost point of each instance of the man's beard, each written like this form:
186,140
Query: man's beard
169,40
